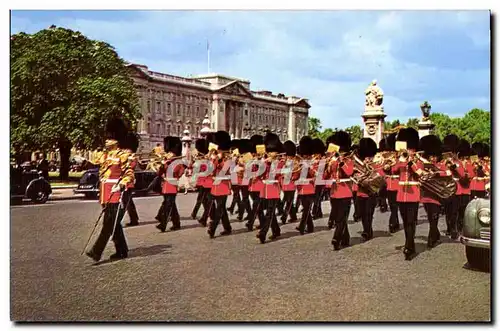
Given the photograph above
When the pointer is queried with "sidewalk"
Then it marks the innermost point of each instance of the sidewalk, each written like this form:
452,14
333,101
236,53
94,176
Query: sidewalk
64,194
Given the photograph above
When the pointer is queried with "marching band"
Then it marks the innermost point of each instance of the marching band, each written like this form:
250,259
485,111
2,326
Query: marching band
268,178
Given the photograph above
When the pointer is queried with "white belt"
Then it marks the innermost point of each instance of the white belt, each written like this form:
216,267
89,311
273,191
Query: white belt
270,181
303,181
345,180
392,176
480,178
171,179
111,180
456,179
223,178
409,183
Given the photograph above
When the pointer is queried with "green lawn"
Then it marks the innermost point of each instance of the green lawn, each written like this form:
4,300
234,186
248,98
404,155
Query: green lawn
74,177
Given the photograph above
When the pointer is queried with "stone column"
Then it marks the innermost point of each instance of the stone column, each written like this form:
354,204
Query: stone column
425,125
291,124
373,116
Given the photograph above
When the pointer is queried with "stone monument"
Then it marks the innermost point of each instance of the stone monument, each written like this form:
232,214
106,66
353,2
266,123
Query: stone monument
425,125
373,116
186,143
205,127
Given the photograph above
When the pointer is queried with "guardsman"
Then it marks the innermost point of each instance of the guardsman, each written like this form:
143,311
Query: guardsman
340,170
114,175
171,171
245,149
235,186
287,183
366,200
431,145
356,216
319,152
450,161
209,203
479,168
221,188
270,193
305,185
130,147
392,180
408,198
464,181
255,186
201,146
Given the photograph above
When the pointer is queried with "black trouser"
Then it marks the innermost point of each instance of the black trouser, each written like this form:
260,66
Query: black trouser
236,198
306,220
366,209
288,207
270,219
451,210
202,193
393,205
130,205
245,202
257,208
170,211
478,194
409,213
317,212
356,215
382,198
220,214
432,211
463,201
110,220
208,207
280,206
340,212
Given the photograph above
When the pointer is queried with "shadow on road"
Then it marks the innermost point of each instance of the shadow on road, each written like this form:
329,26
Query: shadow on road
419,248
140,252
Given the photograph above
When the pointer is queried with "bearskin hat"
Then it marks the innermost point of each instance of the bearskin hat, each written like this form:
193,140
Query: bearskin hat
341,139
201,145
410,136
486,151
464,148
131,141
477,148
367,148
306,146
272,142
223,140
330,140
117,129
257,139
290,148
173,145
431,145
245,146
235,143
450,143
210,137
390,142
318,146
382,145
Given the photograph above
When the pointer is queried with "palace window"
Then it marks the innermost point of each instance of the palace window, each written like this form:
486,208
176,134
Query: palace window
169,111
158,129
178,129
197,111
206,111
178,110
149,127
188,112
149,106
168,130
158,107
246,111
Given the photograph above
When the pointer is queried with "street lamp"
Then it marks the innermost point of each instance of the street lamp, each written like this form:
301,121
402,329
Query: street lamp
426,109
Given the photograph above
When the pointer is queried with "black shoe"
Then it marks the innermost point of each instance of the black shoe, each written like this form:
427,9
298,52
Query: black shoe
293,220
230,211
330,225
448,232
258,227
193,216
283,221
93,256
262,239
247,218
132,224
300,230
310,230
161,227
454,236
240,218
225,233
335,244
274,236
203,223
175,228
118,256
408,254
365,236
249,227
383,209
211,234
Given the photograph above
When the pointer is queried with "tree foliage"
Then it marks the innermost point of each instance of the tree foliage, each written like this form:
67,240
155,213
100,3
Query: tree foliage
64,87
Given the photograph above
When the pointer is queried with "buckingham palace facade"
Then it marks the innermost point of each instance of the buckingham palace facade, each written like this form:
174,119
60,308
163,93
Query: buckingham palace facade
171,104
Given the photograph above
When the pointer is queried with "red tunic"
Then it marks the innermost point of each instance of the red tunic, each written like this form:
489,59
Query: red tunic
391,180
271,187
479,179
170,184
222,179
427,197
306,186
340,179
287,182
461,172
408,186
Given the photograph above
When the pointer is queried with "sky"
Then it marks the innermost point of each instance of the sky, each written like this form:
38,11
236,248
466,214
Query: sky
328,57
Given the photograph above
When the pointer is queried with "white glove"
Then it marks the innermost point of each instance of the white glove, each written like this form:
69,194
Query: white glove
116,188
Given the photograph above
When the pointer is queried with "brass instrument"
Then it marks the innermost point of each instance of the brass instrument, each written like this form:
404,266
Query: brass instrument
366,177
441,186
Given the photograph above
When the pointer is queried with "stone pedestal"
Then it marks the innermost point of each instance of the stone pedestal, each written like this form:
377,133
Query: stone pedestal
425,127
144,143
373,117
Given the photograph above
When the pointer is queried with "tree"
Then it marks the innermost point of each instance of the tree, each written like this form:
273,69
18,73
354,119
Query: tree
412,123
64,87
314,127
355,132
475,126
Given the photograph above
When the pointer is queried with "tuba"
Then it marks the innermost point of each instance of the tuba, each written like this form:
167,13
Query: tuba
366,177
432,182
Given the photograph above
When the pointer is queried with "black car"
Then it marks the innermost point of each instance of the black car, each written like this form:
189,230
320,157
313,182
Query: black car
89,183
28,184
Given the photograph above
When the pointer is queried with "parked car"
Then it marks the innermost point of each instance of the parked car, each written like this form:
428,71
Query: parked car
89,183
476,234
28,184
